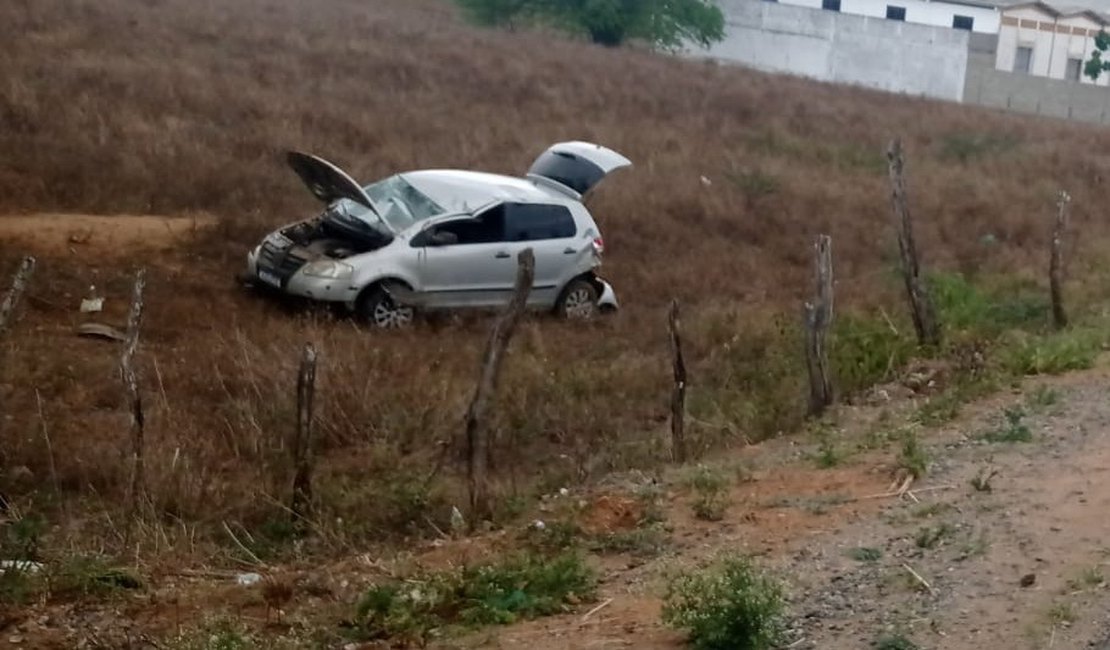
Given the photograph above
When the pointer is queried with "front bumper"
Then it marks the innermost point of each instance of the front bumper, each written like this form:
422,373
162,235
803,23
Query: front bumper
299,284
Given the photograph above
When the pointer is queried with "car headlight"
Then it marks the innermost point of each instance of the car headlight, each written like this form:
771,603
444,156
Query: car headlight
329,269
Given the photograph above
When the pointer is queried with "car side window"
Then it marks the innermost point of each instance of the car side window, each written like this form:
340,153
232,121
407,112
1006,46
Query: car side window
533,221
486,228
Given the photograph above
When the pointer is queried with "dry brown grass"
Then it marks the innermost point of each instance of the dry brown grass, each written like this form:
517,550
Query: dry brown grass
178,106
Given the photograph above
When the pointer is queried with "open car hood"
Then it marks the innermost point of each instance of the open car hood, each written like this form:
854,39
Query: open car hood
576,167
329,183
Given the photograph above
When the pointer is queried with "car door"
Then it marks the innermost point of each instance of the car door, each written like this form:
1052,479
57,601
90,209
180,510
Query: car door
467,261
550,231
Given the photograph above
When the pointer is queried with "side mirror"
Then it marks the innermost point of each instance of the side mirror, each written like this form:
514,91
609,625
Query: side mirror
442,238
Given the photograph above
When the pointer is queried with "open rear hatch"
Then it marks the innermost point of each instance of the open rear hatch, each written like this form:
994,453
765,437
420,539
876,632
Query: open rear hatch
576,167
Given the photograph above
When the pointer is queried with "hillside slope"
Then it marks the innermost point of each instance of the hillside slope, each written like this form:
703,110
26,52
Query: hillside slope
175,114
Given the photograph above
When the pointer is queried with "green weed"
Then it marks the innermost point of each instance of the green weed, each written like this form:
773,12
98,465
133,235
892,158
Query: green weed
728,606
913,457
710,493
982,481
864,352
1090,577
1042,398
1052,354
521,587
1062,613
865,554
648,541
1013,430
896,641
931,536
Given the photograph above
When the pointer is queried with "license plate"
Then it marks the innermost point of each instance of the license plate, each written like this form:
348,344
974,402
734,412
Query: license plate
269,278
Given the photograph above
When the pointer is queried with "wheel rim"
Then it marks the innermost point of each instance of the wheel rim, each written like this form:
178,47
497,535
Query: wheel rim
579,303
389,316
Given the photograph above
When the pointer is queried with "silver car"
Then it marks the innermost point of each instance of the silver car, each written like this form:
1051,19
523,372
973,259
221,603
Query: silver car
445,239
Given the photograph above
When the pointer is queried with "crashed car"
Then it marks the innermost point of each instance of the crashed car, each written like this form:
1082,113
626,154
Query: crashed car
440,239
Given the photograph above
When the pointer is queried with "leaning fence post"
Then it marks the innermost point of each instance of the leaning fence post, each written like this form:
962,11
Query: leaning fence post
477,440
131,386
678,394
302,443
818,318
1056,262
19,285
921,306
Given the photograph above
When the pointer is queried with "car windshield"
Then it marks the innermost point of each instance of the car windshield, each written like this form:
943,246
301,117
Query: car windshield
400,203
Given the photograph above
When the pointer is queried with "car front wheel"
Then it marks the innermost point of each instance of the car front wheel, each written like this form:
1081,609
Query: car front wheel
578,301
377,308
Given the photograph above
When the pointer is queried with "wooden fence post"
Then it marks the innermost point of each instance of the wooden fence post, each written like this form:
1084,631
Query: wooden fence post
924,319
131,385
678,394
477,440
1056,262
19,285
818,318
302,443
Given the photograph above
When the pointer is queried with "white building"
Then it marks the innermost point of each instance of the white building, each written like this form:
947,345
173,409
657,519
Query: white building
1040,40
972,15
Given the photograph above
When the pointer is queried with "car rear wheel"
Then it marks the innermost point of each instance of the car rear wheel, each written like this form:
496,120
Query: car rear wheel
377,308
578,301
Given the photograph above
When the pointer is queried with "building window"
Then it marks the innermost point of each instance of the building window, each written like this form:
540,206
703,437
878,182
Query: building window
895,13
1074,69
963,22
1023,59
830,5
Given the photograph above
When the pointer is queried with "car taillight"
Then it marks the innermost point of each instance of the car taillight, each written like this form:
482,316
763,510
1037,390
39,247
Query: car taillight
599,245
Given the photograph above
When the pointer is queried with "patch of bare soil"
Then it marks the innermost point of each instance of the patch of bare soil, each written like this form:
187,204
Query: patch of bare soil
97,235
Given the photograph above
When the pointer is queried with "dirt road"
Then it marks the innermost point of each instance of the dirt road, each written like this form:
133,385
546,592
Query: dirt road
1019,564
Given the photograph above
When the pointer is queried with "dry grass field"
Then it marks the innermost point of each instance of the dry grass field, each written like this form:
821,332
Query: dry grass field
184,107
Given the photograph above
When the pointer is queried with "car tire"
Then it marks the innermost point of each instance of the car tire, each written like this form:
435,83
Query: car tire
377,308
578,301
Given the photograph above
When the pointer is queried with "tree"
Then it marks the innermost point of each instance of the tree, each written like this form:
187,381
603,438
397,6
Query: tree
1096,65
662,23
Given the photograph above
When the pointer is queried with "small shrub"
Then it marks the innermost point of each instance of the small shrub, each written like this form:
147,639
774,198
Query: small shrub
82,575
827,453
913,457
865,351
940,409
896,641
982,481
520,587
865,554
727,607
931,509
964,307
929,537
1042,398
1014,429
1062,614
1090,577
648,541
711,493
1052,354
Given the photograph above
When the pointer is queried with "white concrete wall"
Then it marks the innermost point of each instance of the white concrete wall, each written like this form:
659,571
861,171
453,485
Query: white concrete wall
830,46
922,12
1054,40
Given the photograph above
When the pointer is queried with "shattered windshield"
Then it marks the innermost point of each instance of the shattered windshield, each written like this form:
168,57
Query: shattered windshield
400,203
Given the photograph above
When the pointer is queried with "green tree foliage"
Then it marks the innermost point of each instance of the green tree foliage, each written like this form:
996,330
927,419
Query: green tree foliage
663,23
1095,66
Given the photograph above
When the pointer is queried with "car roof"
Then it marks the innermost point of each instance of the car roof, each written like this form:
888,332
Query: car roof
463,191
